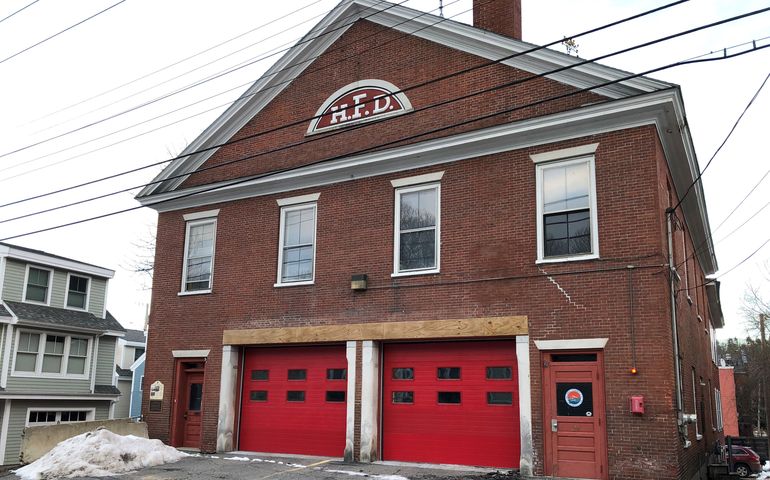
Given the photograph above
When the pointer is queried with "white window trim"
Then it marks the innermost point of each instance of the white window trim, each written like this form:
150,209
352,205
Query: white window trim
38,373
417,179
290,207
594,214
67,292
91,414
309,198
48,291
397,229
188,217
192,223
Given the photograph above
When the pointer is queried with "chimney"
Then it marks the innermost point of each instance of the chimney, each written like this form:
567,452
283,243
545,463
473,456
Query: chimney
499,16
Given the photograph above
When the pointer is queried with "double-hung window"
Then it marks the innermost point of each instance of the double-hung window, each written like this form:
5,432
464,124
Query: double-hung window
417,228
297,240
566,206
37,288
49,354
198,267
77,292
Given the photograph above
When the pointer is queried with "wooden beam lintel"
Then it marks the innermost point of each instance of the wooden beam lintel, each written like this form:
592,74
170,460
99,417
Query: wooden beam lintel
415,330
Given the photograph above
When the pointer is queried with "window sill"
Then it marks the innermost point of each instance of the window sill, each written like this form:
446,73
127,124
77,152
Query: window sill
66,307
689,299
592,256
32,302
294,284
195,292
700,319
414,273
698,437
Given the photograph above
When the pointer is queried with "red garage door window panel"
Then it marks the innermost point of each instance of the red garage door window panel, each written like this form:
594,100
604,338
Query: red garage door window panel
431,415
294,400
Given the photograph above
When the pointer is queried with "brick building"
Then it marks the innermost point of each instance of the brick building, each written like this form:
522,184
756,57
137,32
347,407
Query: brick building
393,247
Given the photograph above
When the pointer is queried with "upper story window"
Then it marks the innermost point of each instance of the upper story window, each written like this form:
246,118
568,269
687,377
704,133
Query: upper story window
297,240
37,288
566,205
48,354
198,267
417,225
77,292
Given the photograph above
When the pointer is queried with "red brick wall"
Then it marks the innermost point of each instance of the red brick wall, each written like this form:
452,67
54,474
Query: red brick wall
488,253
365,51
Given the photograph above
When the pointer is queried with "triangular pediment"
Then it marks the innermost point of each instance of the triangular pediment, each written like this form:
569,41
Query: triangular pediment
329,30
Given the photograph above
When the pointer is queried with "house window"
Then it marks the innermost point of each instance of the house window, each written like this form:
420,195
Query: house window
51,355
199,255
566,204
77,292
296,255
52,417
38,285
138,352
417,229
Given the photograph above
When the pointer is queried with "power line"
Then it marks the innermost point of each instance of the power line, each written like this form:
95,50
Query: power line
178,62
62,31
19,10
185,88
412,87
192,104
729,134
245,179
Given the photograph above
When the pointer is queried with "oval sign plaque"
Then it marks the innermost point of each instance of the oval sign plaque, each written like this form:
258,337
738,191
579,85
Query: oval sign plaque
359,102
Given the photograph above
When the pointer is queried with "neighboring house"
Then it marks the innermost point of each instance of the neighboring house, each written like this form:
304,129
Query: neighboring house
729,407
492,281
129,359
58,343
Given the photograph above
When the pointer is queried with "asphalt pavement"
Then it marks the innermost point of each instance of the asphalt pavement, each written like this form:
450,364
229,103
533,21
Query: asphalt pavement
263,467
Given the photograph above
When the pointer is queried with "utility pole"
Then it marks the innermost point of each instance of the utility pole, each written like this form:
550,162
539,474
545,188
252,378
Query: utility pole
763,369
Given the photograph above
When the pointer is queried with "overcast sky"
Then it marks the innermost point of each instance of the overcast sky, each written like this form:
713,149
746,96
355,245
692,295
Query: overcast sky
111,94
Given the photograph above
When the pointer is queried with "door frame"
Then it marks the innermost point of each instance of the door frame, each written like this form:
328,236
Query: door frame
176,430
545,356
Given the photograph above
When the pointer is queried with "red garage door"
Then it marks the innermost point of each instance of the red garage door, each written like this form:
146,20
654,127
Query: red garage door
294,400
451,403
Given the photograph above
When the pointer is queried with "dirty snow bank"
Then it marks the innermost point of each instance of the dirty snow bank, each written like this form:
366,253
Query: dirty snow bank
765,473
99,454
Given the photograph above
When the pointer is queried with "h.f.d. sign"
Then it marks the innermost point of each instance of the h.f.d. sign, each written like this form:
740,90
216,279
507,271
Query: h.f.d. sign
359,102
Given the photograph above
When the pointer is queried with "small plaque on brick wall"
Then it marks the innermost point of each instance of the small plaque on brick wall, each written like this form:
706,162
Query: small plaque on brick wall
156,405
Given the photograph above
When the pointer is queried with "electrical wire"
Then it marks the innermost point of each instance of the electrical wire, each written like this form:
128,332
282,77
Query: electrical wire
241,180
445,77
185,88
60,32
178,62
339,132
19,10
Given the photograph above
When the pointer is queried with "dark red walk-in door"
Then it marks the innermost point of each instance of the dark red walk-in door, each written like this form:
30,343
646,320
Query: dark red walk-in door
452,403
294,400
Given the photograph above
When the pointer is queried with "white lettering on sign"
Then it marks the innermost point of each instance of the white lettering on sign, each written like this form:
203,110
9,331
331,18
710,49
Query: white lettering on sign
359,102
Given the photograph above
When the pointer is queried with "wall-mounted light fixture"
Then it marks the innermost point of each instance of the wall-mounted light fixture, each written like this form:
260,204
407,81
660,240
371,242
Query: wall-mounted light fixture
358,282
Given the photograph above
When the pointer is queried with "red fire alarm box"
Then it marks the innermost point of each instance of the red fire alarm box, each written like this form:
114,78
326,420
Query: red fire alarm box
636,403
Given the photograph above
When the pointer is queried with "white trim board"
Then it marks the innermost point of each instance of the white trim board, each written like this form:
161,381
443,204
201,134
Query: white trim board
54,262
575,344
190,353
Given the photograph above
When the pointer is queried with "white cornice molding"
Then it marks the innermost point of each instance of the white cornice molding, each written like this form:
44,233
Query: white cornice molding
452,34
55,262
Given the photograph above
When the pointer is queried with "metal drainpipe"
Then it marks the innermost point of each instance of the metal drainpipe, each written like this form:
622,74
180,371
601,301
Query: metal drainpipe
674,329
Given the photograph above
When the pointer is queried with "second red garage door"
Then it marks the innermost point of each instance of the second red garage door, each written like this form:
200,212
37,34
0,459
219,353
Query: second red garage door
453,403
293,400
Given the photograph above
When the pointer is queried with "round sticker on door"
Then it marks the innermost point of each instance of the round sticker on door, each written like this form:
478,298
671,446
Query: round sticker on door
573,397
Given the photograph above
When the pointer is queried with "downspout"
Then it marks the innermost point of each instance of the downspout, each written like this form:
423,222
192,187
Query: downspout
674,330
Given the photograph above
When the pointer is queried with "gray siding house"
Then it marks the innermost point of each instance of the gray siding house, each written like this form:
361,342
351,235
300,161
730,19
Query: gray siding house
57,344
129,370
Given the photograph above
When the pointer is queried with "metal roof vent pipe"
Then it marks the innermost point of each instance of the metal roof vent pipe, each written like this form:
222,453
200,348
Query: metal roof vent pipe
499,16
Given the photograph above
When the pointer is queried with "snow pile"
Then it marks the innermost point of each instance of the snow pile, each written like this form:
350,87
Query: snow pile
99,453
765,473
